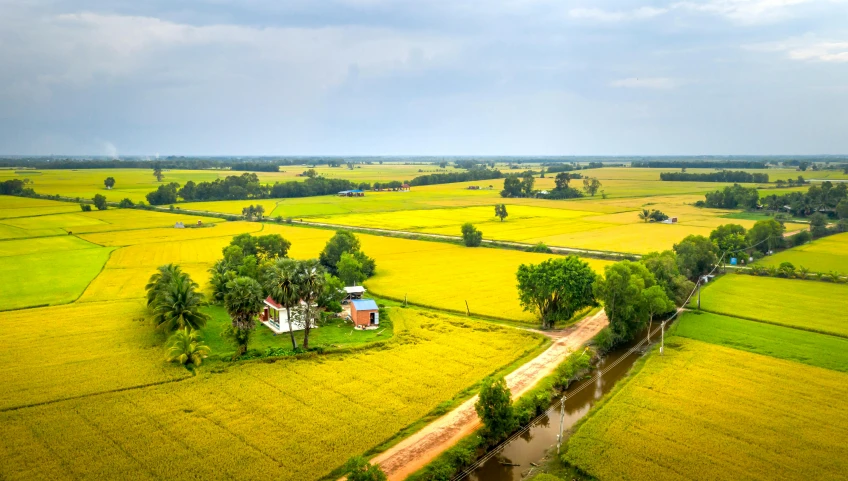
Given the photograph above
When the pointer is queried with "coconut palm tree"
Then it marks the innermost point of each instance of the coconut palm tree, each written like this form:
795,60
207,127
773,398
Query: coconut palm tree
243,301
221,275
187,348
178,305
311,285
645,215
160,280
282,285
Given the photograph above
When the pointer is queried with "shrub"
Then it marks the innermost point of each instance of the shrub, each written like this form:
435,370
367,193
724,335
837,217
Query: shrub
471,236
85,207
541,247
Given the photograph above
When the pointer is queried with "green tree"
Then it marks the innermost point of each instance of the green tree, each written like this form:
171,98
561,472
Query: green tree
562,180
620,290
164,194
282,283
842,209
666,272
159,281
527,182
696,256
471,236
311,288
729,238
645,215
656,301
359,469
126,203
766,235
221,275
341,242
157,172
500,211
350,269
187,348
555,289
109,182
494,406
591,185
243,301
178,305
85,207
332,294
512,186
100,202
818,225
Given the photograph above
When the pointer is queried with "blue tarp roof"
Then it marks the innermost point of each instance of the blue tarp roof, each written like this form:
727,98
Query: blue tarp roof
365,305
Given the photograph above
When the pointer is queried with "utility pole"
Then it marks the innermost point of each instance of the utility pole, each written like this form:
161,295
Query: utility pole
699,293
561,419
662,333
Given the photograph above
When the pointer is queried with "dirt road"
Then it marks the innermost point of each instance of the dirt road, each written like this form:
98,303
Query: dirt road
416,451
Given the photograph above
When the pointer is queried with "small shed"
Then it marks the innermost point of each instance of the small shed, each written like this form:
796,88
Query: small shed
364,313
354,292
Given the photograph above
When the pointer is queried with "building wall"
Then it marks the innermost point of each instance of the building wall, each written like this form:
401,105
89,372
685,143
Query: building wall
362,318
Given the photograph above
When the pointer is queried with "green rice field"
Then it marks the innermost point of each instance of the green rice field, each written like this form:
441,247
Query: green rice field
828,254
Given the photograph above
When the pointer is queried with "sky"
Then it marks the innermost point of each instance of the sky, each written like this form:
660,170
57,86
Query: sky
423,77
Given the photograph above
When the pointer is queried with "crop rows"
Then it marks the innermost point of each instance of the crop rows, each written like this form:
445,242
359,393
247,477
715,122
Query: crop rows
712,412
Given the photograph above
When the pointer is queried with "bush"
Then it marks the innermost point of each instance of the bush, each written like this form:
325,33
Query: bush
604,341
541,247
800,238
471,236
126,204
85,207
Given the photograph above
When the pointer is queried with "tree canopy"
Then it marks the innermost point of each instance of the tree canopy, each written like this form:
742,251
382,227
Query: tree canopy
556,288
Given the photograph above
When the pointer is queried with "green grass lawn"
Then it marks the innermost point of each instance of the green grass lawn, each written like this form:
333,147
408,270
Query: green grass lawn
811,348
336,333
810,305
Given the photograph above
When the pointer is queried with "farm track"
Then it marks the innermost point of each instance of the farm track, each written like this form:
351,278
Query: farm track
414,452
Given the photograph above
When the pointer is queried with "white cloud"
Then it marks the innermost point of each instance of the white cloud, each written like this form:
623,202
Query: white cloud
746,11
809,48
609,16
656,83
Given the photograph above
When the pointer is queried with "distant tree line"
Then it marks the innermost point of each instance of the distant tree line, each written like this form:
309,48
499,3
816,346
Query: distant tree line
563,167
739,176
680,164
269,165
447,178
827,199
13,187
732,197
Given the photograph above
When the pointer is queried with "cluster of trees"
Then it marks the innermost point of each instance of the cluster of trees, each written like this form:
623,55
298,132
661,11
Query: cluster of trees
253,211
175,303
732,197
14,187
447,178
680,164
515,186
245,186
232,187
522,186
256,267
164,194
653,215
256,166
791,182
568,167
724,176
827,198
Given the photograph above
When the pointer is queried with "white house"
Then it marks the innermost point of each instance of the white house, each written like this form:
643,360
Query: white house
274,316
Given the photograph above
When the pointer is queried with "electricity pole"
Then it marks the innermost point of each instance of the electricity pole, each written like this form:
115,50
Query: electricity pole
561,418
662,333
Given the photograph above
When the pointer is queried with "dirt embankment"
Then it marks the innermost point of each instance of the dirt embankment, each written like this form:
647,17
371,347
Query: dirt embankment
416,451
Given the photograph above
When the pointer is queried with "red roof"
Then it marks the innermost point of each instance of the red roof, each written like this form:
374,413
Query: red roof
271,302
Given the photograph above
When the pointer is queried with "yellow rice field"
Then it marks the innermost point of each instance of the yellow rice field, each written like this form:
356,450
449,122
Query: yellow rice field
257,413
717,413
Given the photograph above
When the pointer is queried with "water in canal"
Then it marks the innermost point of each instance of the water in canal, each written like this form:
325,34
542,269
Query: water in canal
532,446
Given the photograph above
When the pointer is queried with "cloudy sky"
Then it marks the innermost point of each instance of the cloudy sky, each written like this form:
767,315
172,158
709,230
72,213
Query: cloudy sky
430,77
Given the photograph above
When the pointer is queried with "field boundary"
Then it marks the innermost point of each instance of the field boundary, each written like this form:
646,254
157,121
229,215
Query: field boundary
773,323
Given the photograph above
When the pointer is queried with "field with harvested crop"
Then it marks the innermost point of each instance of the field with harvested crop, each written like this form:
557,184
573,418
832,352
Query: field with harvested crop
827,254
822,350
722,413
811,305
260,413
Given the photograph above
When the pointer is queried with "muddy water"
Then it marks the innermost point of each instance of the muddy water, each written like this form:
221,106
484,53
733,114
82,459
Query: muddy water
532,446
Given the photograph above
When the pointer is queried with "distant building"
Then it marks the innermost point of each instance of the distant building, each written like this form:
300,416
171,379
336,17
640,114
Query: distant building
352,193
275,317
405,188
354,292
179,225
364,313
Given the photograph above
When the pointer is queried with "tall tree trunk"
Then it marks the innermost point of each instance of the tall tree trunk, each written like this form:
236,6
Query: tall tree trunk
291,331
307,325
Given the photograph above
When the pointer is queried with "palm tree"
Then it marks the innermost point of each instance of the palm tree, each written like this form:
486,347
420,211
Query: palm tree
160,280
179,305
281,283
803,272
645,215
221,275
311,285
187,348
243,301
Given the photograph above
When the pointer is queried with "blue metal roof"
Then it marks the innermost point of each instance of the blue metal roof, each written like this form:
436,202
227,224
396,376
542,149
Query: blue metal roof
365,305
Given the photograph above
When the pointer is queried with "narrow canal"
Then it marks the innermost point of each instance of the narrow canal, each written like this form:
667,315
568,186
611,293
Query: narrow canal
513,463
